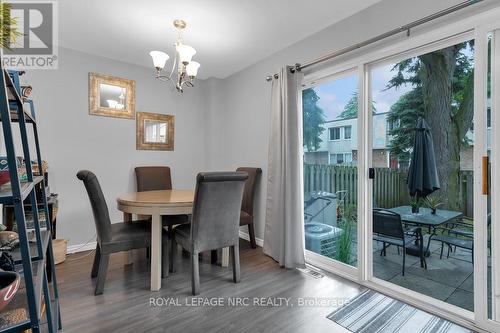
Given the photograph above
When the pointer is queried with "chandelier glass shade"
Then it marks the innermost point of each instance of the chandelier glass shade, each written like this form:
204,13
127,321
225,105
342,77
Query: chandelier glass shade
184,69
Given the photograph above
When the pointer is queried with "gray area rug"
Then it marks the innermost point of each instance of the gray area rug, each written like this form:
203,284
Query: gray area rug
373,312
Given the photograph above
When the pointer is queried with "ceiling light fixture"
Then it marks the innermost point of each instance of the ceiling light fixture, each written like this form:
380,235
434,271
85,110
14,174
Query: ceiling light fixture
186,68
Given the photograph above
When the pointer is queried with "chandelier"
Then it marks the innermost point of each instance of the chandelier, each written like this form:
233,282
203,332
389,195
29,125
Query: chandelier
185,68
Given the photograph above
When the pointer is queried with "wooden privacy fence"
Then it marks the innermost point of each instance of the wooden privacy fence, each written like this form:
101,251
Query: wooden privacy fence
389,187
467,192
330,178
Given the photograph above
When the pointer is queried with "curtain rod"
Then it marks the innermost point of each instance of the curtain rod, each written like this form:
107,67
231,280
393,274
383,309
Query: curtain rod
406,27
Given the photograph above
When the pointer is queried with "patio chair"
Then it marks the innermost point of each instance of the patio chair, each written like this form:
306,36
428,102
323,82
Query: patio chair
464,242
459,234
461,228
388,229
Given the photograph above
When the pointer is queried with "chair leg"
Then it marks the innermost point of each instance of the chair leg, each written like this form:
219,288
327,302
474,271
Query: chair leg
442,247
165,260
251,234
404,260
173,255
473,256
101,275
382,252
195,274
235,249
95,266
213,256
398,250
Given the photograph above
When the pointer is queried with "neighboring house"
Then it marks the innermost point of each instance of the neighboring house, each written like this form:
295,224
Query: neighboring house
339,144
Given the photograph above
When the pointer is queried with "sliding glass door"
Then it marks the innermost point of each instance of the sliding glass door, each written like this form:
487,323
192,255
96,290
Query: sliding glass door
330,110
402,171
425,242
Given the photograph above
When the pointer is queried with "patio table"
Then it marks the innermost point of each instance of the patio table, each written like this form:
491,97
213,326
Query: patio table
425,218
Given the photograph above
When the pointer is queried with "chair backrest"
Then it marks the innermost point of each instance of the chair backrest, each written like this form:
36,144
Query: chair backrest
250,185
153,178
387,223
98,203
216,210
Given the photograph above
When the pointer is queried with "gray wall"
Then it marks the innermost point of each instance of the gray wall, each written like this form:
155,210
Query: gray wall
239,134
71,139
219,125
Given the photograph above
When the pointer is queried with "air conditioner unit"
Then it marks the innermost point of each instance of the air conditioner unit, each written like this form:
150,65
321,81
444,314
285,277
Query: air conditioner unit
322,238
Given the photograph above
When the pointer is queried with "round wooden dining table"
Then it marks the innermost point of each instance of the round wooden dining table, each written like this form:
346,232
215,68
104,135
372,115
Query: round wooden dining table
156,204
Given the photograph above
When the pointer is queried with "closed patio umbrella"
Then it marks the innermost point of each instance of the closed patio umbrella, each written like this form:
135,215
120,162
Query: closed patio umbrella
422,175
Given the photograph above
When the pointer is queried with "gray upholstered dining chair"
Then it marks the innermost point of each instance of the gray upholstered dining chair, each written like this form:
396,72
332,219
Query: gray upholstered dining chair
247,211
114,237
153,178
215,220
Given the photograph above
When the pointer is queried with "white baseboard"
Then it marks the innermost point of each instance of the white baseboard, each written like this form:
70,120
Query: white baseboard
245,236
81,247
91,245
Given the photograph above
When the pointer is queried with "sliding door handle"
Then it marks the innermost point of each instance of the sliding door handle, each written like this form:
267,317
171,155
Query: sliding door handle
485,175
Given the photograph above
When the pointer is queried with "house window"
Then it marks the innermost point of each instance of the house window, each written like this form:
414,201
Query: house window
334,133
347,132
340,158
348,157
392,125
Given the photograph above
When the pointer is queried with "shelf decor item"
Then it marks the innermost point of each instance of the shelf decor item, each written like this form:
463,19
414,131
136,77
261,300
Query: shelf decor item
9,284
60,250
9,31
111,96
8,239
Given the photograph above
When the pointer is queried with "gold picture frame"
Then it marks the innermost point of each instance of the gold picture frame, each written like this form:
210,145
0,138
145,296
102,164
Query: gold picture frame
111,96
154,131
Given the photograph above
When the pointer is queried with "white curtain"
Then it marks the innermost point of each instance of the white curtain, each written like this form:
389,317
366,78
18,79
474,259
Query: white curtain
284,232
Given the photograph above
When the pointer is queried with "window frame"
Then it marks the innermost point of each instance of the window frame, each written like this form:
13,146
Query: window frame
350,132
339,128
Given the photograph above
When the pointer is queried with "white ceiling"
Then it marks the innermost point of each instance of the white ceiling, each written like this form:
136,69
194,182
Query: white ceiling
228,35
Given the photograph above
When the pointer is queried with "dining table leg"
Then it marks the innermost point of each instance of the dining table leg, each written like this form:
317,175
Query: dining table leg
127,258
156,238
432,233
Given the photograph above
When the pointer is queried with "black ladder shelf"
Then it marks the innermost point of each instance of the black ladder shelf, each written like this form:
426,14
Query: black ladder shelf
35,261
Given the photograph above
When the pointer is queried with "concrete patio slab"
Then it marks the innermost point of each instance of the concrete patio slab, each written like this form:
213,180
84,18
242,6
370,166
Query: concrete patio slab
424,286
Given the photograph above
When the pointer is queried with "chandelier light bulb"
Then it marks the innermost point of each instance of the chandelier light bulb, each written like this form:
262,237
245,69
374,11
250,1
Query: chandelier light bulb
192,69
159,59
186,53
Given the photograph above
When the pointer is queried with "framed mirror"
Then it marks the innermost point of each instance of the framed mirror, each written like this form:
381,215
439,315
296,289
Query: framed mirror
111,96
154,131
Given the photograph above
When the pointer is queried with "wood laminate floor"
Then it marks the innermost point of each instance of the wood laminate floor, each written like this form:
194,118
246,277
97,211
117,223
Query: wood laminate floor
126,305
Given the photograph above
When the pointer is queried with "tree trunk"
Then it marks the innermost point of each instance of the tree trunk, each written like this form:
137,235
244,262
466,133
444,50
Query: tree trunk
436,76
